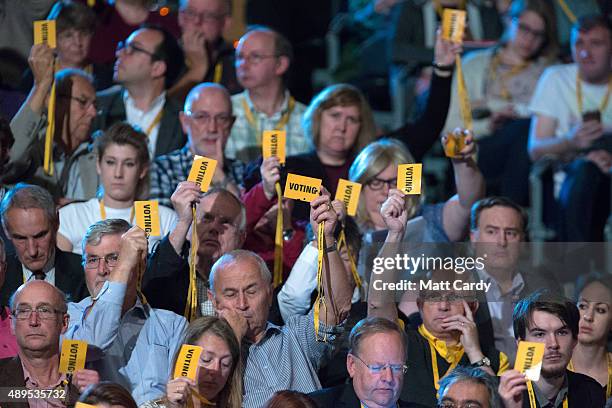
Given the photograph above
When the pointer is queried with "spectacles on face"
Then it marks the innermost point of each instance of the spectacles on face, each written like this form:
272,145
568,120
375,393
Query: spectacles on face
254,58
538,34
376,183
43,312
93,262
376,369
193,16
130,49
202,118
448,404
84,103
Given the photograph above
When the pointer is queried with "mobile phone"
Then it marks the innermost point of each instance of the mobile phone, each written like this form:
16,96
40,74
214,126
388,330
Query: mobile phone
591,115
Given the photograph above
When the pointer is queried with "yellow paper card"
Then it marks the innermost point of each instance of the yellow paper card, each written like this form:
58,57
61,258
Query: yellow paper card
453,24
188,361
529,358
84,405
348,192
73,356
409,178
202,171
147,217
44,33
302,188
455,142
274,142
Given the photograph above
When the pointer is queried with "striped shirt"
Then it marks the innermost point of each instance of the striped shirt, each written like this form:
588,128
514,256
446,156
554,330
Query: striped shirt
287,358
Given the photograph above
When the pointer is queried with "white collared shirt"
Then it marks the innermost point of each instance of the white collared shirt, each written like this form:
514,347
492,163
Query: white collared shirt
142,119
28,275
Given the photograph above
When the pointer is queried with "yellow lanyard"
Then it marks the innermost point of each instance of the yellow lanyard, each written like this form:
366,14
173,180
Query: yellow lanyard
278,239
155,122
253,123
604,102
570,366
192,293
320,289
205,402
434,359
218,73
464,98
103,211
532,398
50,132
515,70
439,9
567,11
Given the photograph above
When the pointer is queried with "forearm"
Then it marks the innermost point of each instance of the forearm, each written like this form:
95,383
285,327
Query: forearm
555,146
178,236
338,286
379,303
469,182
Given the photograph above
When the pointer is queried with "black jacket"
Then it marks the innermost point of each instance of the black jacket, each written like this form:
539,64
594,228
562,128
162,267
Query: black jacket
583,391
69,276
343,396
112,109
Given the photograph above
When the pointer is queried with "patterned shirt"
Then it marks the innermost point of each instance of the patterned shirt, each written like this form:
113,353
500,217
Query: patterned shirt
170,169
245,140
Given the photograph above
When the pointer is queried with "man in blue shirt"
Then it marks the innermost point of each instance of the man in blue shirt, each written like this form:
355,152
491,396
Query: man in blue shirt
136,343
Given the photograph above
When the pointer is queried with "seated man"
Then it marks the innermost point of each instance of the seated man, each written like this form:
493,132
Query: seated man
221,226
376,363
553,320
31,222
74,172
39,318
281,357
208,57
148,63
138,343
207,120
469,386
572,122
263,58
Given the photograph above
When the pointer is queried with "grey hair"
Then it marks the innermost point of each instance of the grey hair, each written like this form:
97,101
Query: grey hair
235,256
227,193
473,375
374,325
25,196
197,90
63,306
97,231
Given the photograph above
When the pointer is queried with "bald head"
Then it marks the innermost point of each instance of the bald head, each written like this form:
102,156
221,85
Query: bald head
46,293
208,90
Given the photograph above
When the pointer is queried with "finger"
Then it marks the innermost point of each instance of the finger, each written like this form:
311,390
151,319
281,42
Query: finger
468,311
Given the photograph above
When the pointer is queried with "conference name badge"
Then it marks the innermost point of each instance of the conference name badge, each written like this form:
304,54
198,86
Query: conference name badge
529,358
348,192
302,188
274,143
44,33
188,361
453,24
72,357
202,171
147,217
409,178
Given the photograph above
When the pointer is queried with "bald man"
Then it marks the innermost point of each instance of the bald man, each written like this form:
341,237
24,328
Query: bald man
207,119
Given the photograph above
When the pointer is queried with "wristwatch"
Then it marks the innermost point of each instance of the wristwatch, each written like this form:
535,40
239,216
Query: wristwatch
482,362
332,248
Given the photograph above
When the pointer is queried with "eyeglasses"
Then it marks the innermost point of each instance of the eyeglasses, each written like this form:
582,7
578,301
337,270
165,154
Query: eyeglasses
93,262
376,183
203,118
43,312
254,59
448,404
84,103
377,368
130,49
528,30
194,17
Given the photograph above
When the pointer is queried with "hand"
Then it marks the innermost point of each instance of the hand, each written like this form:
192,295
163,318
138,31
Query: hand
498,118
81,379
584,134
41,61
270,175
237,322
445,50
194,47
186,194
393,212
322,210
601,159
511,386
469,332
178,391
133,251
469,148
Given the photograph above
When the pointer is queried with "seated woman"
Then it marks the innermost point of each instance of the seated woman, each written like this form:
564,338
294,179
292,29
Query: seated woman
591,356
500,82
122,165
219,379
107,394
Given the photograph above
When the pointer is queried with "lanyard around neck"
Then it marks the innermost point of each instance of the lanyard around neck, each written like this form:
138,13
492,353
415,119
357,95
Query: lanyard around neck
604,101
434,360
503,78
253,122
570,366
532,398
103,211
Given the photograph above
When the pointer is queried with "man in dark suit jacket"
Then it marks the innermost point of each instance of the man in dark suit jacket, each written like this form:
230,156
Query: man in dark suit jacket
31,222
376,363
148,63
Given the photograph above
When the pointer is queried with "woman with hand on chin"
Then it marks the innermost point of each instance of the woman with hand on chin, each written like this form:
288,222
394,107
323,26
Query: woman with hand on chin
591,356
219,378
122,165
